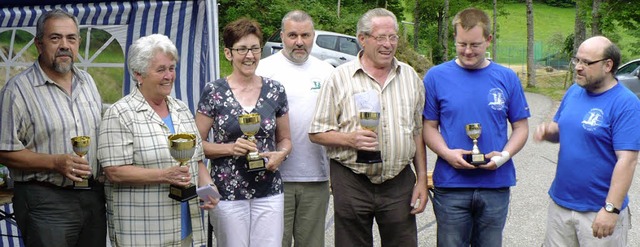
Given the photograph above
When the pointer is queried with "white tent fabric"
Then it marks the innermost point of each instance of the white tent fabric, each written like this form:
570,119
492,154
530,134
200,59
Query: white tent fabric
191,25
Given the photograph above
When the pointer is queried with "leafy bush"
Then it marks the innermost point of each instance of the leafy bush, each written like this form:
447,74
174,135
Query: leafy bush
405,53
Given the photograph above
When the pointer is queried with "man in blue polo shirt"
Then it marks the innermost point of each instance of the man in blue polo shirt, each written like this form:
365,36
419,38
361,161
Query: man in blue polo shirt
597,128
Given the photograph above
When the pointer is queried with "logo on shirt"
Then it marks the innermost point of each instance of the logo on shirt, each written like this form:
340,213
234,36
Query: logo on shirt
496,99
317,83
592,119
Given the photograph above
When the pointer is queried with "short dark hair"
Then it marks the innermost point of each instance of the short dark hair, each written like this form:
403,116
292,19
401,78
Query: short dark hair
613,52
56,14
238,29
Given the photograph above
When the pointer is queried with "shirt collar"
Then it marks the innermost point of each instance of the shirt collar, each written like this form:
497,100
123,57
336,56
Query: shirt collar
357,65
43,78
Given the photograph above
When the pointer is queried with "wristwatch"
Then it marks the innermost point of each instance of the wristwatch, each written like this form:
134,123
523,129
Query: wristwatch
610,208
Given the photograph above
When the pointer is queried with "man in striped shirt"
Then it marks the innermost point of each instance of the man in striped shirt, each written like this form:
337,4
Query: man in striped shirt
388,191
43,107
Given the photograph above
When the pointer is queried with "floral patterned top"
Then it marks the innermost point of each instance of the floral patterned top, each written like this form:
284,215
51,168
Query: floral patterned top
229,173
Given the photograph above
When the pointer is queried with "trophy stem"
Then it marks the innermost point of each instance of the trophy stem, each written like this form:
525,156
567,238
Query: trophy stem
475,147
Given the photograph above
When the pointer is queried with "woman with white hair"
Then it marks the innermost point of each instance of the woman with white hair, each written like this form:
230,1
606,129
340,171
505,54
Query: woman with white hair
133,149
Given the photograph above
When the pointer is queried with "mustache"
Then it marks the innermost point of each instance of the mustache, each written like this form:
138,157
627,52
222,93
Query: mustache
64,53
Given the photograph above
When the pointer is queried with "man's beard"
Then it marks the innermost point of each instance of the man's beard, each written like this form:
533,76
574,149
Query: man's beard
61,67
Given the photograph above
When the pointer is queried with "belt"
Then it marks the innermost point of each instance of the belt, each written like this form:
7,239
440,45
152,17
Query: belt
92,183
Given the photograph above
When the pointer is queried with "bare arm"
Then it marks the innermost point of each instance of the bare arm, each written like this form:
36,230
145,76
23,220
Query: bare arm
68,165
622,176
359,139
519,135
283,143
605,222
204,177
135,175
420,189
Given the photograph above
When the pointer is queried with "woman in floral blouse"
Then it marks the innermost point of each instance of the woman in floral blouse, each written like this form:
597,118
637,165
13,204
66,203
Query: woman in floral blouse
250,212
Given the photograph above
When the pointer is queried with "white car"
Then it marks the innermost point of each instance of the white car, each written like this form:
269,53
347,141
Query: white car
629,75
335,48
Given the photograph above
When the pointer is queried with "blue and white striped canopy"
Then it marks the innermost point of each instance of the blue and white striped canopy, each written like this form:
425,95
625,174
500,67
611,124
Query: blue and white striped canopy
184,22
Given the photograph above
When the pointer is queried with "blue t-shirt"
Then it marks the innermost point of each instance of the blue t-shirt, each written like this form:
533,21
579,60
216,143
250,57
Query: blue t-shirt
455,97
592,127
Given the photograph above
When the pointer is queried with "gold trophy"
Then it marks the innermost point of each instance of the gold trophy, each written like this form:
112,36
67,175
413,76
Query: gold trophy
250,125
81,146
475,158
182,146
369,121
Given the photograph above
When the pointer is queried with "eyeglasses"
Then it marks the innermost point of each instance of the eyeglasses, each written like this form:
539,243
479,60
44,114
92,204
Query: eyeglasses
575,61
381,39
474,46
245,50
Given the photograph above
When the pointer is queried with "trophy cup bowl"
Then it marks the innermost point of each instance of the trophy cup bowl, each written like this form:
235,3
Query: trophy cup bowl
474,130
250,125
182,146
81,145
369,121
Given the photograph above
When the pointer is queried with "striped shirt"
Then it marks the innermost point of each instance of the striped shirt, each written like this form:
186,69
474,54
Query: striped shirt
132,133
401,101
40,116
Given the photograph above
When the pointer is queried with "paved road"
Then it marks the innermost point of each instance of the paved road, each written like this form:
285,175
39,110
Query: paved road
535,166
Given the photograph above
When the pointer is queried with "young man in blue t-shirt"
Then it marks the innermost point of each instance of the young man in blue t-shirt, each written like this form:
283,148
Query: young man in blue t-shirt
471,201
596,126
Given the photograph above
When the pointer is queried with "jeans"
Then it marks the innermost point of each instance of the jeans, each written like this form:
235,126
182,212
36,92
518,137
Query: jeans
470,216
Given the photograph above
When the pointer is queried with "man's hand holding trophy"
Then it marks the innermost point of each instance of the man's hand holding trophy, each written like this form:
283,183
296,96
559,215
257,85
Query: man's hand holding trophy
476,158
368,106
182,146
81,146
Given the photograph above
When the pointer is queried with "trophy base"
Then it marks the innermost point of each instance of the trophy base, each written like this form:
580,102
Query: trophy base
475,159
84,185
256,165
369,157
182,194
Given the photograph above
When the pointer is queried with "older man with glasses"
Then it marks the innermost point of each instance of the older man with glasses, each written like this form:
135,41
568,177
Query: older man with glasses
597,128
381,185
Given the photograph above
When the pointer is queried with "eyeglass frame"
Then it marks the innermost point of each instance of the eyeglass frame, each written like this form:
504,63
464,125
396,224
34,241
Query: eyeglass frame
577,61
472,46
381,39
245,50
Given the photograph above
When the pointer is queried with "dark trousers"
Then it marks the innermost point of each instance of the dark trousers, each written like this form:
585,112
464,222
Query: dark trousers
48,215
357,202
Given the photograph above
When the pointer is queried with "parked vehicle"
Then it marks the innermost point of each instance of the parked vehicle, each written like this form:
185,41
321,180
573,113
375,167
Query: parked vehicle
629,75
335,48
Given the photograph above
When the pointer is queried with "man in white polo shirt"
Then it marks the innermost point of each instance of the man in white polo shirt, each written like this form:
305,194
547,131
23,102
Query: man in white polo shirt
306,171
